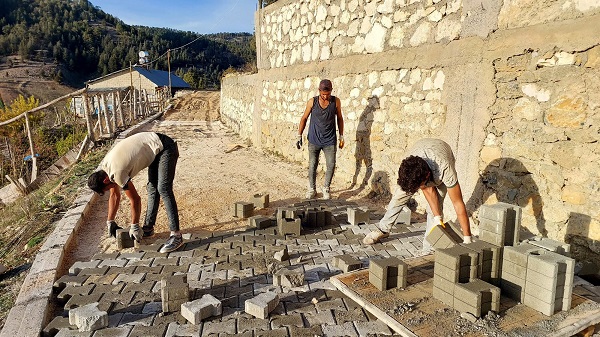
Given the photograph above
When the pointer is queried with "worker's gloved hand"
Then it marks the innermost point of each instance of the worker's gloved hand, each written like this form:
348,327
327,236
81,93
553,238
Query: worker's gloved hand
135,233
467,239
111,228
299,142
341,141
439,221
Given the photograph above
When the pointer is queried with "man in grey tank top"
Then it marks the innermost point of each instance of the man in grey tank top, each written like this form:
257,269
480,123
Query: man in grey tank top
324,111
429,167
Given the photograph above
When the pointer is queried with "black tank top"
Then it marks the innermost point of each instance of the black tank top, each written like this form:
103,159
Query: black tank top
321,131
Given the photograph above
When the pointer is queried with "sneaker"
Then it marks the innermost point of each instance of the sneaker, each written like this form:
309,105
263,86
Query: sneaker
374,237
326,195
147,231
311,194
111,228
174,243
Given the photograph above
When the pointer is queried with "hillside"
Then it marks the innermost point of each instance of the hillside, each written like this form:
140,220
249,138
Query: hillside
84,42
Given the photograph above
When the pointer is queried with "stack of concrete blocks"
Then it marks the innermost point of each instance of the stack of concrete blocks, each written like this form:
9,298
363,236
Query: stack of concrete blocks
476,297
88,317
289,221
260,222
200,309
514,269
124,240
443,237
388,273
550,245
261,305
499,224
174,292
453,265
549,282
357,216
489,264
346,263
261,200
316,217
242,209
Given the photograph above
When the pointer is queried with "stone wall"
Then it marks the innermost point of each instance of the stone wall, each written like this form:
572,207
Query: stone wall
508,84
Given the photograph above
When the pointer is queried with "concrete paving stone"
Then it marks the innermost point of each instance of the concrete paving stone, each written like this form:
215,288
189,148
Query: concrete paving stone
129,278
218,292
105,256
217,259
181,253
260,279
69,280
139,263
114,319
314,330
123,331
172,270
245,324
345,329
232,291
350,315
328,242
148,331
108,288
55,325
300,307
272,333
165,261
293,319
229,251
143,287
228,266
70,291
93,271
168,318
112,263
73,333
202,267
326,304
204,284
79,265
322,284
198,253
131,256
183,330
221,275
218,327
120,270
241,274
148,269
152,308
375,327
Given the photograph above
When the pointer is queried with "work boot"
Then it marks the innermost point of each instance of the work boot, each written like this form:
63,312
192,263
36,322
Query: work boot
326,195
374,237
311,193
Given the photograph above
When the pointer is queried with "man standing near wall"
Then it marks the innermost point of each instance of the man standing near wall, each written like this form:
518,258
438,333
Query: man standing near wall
429,167
157,152
324,110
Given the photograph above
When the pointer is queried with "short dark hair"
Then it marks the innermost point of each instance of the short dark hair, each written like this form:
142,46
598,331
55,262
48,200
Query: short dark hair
412,174
96,181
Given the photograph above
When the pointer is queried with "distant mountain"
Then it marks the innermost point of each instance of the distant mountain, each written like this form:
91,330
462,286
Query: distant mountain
88,42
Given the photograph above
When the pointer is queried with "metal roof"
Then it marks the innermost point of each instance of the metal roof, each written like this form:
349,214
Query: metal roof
159,77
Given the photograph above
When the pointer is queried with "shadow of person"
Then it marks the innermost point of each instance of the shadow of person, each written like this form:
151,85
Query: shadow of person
362,153
508,180
380,186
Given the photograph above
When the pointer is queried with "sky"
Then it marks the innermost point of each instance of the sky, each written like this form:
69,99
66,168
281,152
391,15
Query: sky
200,16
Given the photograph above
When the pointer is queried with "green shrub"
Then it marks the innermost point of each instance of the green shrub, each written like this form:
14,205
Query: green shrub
66,144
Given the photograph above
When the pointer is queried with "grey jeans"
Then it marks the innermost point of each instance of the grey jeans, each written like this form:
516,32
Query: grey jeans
313,162
161,174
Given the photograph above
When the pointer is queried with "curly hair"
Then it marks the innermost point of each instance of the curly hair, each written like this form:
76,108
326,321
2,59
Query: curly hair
96,181
412,173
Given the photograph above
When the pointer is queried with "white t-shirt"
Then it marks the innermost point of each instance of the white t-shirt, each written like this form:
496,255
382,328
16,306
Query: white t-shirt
130,156
439,158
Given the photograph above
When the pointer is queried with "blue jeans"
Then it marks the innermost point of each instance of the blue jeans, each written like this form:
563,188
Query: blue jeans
313,162
160,184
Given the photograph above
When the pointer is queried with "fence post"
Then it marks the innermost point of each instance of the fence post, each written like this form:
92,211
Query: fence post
33,159
120,108
88,118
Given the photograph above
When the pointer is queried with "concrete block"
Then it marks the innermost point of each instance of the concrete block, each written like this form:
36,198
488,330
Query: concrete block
346,263
546,294
260,222
174,292
547,309
518,254
123,239
242,209
449,274
476,293
442,283
396,282
286,226
456,257
491,237
551,264
515,270
289,213
198,310
55,325
288,278
88,317
443,237
490,260
551,245
507,214
261,305
357,216
282,255
388,267
379,283
261,200
443,296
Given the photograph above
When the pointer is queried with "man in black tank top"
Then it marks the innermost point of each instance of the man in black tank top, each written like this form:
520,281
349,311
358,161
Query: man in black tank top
325,111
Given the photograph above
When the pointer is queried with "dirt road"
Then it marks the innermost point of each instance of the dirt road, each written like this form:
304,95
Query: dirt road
209,178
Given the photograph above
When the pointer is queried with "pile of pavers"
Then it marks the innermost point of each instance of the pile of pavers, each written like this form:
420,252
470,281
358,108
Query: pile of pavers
231,280
536,272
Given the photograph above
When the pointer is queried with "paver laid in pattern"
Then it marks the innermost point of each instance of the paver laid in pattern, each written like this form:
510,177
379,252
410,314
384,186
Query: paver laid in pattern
234,268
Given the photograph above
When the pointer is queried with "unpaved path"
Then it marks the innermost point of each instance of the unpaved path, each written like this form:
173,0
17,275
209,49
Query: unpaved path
208,180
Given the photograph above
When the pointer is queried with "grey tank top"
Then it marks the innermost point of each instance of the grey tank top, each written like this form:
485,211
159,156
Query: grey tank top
321,131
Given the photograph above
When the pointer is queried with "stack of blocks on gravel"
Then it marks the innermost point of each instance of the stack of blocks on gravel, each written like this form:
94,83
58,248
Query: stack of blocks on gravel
388,273
290,220
174,291
443,237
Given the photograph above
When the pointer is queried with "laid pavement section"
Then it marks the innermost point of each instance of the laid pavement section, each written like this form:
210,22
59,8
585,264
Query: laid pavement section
232,267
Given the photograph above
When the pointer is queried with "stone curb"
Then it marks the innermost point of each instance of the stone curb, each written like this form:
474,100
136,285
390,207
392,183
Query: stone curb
29,314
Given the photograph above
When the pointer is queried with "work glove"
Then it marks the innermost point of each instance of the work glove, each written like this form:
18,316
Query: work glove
299,142
135,233
439,221
111,228
467,239
341,141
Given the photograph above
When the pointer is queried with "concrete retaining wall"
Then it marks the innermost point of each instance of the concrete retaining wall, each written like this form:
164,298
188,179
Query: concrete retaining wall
508,84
